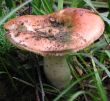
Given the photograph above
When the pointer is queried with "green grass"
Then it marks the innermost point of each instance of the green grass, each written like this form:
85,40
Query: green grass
93,62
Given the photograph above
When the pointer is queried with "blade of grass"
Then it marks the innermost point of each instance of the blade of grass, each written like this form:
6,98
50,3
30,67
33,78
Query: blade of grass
108,53
105,18
48,6
81,66
44,7
37,3
100,88
60,4
2,72
100,4
51,89
77,3
88,2
107,38
13,11
84,63
74,96
102,66
25,82
36,10
99,45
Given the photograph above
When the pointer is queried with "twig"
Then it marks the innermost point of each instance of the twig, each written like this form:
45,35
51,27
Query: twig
40,80
36,65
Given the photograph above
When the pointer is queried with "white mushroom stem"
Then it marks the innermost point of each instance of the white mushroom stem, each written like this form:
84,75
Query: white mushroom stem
57,71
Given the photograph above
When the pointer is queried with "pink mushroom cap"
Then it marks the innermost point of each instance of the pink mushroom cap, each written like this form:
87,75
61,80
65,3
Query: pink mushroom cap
59,33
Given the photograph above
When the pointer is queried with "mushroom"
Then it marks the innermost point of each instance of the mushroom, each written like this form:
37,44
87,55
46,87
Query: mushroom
55,35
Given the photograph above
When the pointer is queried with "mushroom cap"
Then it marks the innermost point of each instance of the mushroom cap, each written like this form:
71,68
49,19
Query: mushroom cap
71,29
